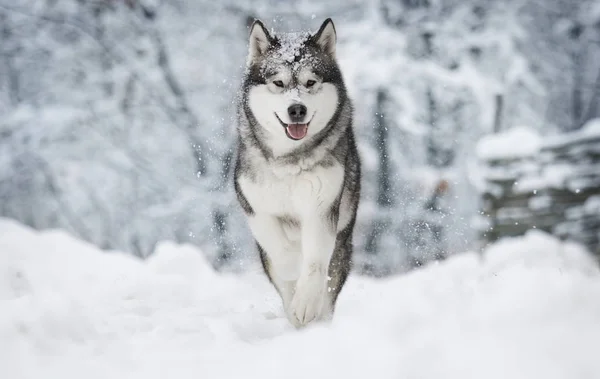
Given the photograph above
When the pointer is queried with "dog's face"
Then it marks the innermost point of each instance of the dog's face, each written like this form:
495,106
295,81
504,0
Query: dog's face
293,83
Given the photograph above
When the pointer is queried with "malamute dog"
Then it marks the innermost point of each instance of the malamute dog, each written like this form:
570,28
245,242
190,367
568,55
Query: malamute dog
297,173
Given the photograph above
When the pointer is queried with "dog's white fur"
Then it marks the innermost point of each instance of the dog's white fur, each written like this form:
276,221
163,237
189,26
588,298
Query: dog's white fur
268,100
299,256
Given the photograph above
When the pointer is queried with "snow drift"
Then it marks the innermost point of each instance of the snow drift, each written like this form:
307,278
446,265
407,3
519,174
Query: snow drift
527,308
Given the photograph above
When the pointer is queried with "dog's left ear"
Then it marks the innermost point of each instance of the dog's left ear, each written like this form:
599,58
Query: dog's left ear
325,38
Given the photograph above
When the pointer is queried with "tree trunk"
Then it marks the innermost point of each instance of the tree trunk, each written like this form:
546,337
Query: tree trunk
577,100
383,175
592,110
7,51
98,10
578,56
380,224
498,108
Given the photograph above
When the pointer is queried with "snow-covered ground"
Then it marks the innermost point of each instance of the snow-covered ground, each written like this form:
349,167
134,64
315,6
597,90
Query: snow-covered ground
528,308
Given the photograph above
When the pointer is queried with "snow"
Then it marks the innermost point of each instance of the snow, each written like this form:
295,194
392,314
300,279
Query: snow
592,127
290,45
555,175
526,308
592,205
589,131
518,142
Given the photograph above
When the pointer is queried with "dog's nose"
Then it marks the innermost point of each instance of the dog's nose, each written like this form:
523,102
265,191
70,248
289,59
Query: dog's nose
297,112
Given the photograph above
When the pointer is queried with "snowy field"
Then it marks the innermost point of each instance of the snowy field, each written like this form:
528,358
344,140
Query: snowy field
529,308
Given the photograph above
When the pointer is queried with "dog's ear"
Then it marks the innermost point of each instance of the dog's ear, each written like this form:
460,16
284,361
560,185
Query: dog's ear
325,38
260,40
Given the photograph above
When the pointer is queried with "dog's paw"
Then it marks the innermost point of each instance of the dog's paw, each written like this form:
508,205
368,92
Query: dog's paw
308,300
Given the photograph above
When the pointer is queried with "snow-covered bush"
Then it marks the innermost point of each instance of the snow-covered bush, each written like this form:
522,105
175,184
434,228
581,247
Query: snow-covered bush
550,183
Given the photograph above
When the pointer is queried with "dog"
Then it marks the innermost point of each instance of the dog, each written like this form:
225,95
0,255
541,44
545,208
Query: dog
297,170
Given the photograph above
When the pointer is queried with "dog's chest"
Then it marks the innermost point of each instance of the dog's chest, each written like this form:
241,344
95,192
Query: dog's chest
281,192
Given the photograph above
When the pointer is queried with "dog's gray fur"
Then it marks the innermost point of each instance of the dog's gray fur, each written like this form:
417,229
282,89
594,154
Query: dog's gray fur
323,166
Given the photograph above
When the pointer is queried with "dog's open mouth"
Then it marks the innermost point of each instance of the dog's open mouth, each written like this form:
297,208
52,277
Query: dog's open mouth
294,131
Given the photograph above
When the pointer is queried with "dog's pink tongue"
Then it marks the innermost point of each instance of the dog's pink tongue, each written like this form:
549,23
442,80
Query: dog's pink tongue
297,131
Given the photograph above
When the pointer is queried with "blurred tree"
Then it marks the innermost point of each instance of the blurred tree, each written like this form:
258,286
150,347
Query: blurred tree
111,107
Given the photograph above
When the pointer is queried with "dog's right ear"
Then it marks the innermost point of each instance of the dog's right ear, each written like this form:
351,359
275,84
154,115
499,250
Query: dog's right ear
260,41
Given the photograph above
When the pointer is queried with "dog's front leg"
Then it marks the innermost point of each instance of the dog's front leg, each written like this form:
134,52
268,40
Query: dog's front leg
318,241
283,255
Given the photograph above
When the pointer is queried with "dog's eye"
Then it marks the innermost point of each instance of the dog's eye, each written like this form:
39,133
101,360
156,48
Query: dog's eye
310,83
278,83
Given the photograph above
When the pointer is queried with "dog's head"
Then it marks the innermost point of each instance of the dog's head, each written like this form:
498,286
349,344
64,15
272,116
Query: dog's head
293,82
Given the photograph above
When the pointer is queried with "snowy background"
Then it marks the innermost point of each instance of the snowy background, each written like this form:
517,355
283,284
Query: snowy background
124,254
116,116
